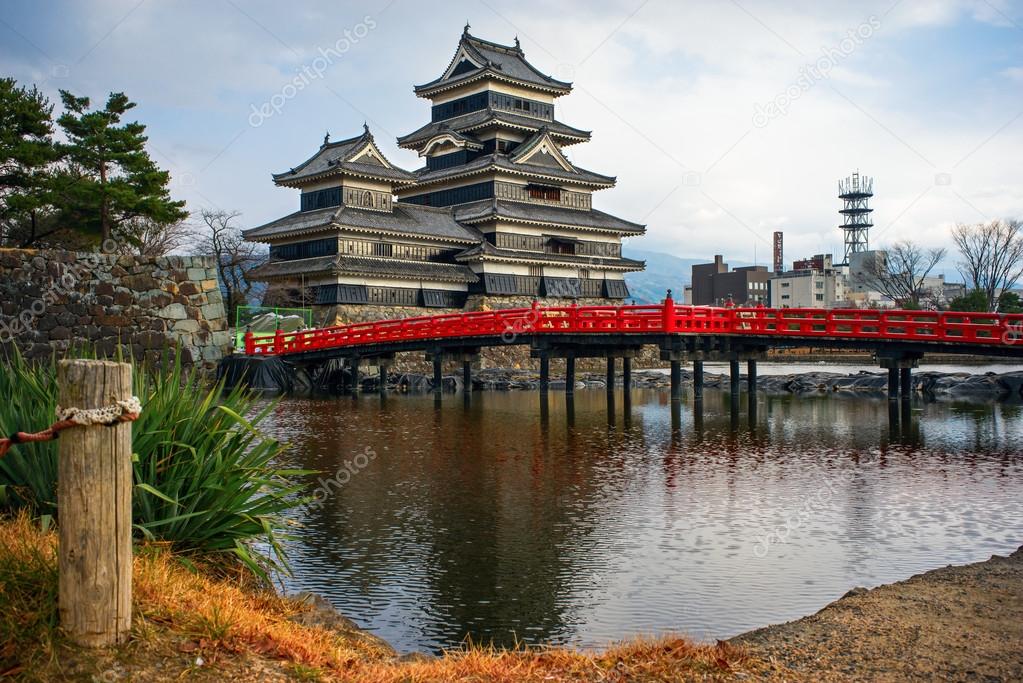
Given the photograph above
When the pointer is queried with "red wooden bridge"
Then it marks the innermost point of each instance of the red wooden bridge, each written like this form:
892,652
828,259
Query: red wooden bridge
898,338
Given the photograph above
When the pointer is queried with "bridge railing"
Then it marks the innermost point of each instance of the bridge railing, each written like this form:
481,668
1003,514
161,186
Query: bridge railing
668,317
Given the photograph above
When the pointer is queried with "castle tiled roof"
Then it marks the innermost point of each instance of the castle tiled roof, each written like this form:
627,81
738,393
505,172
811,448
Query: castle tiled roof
336,157
406,219
488,209
483,118
484,59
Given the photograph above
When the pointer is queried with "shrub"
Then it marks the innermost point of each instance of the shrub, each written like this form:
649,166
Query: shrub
205,478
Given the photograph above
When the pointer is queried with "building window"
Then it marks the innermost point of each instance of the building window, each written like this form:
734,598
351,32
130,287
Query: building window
784,297
536,271
819,297
584,274
819,284
383,249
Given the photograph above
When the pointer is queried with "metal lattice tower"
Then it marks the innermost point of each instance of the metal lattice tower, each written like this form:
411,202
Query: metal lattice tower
855,193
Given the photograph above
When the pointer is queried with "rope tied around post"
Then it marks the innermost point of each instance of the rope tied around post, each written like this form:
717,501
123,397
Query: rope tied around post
127,410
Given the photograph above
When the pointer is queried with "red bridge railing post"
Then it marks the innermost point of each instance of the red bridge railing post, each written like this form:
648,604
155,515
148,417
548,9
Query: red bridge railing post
668,314
278,341
250,341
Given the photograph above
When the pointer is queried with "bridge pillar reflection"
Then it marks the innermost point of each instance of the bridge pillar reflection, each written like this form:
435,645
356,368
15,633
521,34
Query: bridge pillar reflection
353,369
698,380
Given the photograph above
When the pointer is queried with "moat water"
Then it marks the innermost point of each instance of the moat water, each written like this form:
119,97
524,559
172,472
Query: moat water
504,521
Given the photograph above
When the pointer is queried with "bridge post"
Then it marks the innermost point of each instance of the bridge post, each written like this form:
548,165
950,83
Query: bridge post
751,377
610,374
626,372
676,381
893,384
698,380
467,376
382,369
907,383
733,373
570,376
438,376
545,372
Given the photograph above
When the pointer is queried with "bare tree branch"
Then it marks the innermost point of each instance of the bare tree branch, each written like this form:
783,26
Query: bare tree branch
235,257
992,256
899,273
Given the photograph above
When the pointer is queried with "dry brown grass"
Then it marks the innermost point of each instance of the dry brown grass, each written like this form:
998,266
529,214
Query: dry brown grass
183,614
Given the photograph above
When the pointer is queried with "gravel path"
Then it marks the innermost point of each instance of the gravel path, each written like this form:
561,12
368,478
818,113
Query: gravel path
960,623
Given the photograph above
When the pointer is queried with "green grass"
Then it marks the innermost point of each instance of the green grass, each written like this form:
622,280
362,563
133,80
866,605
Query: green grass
205,474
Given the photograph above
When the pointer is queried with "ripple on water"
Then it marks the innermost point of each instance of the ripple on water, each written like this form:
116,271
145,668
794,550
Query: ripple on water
489,521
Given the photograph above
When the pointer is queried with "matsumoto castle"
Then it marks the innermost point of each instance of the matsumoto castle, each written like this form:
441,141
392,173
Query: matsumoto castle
497,216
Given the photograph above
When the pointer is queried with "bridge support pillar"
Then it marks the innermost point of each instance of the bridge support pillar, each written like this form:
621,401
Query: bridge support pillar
467,376
438,375
733,376
610,374
676,380
698,380
382,368
570,376
545,372
626,373
900,369
751,377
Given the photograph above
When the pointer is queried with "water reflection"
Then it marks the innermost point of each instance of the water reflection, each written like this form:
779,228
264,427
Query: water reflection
590,518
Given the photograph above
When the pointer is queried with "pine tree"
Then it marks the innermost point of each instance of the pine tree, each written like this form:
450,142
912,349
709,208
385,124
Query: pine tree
26,153
108,176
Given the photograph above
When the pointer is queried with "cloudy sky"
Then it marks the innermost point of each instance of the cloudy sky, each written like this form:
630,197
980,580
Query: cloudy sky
723,120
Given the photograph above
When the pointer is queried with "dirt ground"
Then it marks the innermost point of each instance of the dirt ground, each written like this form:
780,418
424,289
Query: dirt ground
958,623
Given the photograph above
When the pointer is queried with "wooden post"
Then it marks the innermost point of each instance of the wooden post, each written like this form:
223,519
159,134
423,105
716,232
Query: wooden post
545,372
94,482
570,376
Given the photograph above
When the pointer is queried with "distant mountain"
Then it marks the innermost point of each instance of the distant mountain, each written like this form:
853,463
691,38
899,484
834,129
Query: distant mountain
663,272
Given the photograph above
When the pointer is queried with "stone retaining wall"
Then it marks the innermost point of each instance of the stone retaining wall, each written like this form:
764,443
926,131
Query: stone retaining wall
51,301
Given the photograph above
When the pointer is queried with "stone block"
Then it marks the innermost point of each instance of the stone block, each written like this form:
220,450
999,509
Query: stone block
212,311
188,288
186,326
196,274
173,311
